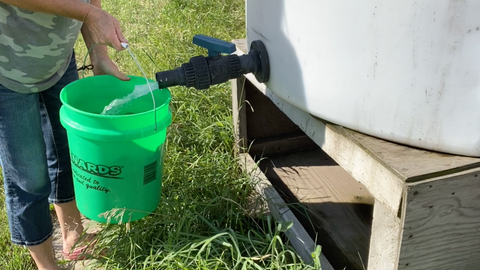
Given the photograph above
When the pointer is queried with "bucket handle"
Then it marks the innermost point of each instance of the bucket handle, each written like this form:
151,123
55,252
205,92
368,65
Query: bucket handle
85,60
127,47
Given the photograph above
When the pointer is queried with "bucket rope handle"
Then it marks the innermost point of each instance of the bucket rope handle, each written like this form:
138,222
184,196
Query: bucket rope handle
125,45
85,61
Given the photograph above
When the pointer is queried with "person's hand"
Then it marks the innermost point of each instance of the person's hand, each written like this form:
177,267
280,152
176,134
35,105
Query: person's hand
103,65
104,29
100,29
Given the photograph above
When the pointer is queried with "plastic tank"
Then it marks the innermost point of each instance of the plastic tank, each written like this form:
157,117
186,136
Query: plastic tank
408,72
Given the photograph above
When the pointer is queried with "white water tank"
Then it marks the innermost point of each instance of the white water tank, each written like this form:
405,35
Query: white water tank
405,71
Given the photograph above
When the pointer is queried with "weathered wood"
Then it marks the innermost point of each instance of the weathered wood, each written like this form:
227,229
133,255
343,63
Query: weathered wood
316,178
239,113
385,240
297,235
412,164
442,224
334,200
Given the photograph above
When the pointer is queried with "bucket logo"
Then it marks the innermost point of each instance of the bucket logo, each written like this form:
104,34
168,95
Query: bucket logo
97,169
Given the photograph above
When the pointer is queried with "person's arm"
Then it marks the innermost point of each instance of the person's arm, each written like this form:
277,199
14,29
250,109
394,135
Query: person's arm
99,27
104,28
102,64
74,9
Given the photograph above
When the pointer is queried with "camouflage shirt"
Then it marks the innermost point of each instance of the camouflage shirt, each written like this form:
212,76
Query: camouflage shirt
35,48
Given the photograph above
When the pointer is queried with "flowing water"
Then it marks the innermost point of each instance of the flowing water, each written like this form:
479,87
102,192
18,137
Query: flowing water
117,105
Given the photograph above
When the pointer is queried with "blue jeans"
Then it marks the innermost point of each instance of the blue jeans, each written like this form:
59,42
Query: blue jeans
35,159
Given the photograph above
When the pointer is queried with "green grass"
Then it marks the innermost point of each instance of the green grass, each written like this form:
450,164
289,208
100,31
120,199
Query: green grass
202,221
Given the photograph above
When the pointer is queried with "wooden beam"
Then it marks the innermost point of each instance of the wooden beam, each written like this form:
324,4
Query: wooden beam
442,223
386,239
299,238
239,113
411,164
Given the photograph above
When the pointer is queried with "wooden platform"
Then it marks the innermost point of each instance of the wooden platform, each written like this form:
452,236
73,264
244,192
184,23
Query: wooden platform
328,201
369,202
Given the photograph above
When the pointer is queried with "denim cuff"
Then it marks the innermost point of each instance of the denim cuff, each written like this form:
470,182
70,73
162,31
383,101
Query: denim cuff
27,244
57,201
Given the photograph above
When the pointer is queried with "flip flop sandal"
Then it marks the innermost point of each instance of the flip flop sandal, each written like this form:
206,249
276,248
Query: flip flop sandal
81,252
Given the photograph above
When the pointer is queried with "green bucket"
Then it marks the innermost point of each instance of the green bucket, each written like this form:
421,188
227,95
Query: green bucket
117,160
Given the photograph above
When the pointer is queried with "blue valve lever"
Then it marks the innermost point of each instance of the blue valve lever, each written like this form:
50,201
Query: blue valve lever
213,45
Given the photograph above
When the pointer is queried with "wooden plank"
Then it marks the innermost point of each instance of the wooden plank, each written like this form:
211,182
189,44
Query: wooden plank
412,164
442,223
316,178
333,200
385,241
239,113
297,235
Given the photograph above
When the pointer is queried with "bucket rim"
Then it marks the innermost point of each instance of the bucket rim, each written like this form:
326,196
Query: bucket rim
62,94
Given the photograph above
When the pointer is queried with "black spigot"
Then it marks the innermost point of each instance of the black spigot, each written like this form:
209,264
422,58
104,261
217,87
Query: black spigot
202,72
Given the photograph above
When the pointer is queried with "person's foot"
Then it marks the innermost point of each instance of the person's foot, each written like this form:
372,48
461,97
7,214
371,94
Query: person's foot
77,247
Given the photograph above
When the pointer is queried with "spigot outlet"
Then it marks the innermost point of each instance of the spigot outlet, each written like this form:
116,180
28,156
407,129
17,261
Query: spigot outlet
202,72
